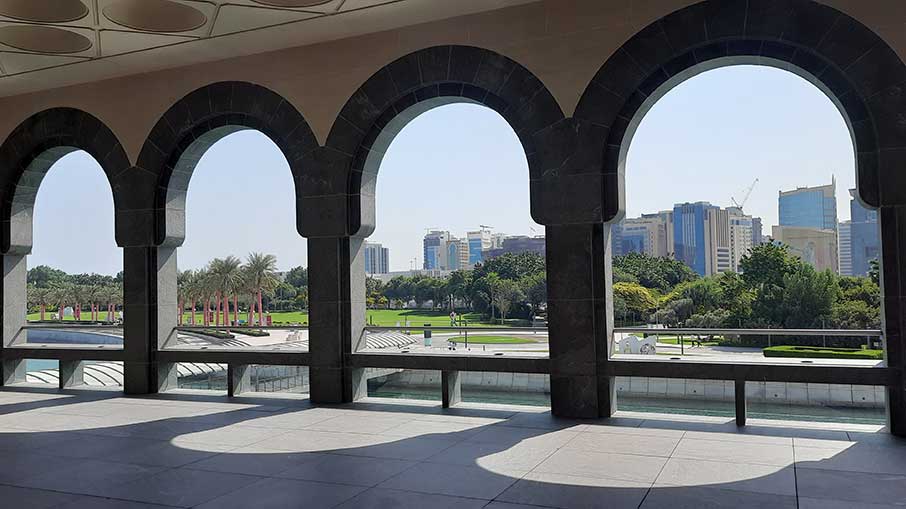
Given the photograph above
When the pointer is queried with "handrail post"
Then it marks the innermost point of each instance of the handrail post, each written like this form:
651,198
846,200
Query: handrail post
740,400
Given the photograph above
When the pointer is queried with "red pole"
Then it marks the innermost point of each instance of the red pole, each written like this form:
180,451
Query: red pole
226,309
217,316
260,308
235,309
193,312
251,309
42,312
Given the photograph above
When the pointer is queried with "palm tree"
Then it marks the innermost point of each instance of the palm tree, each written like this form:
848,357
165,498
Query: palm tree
113,296
62,295
183,281
261,272
228,278
35,297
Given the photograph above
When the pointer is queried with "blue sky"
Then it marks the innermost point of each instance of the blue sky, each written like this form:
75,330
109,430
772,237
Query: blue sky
460,166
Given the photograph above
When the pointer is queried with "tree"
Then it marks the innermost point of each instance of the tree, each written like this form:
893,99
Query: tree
704,293
638,299
43,276
373,291
513,266
651,272
767,264
765,268
227,276
808,297
874,271
534,287
855,314
260,271
297,277
505,294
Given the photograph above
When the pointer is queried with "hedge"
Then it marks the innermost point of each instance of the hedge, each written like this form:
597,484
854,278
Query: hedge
823,353
258,333
217,334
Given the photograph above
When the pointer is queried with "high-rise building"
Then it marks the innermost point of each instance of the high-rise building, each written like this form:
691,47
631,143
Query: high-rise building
845,248
377,259
817,247
757,232
865,244
809,207
435,249
457,254
717,241
646,234
742,235
517,244
689,232
479,241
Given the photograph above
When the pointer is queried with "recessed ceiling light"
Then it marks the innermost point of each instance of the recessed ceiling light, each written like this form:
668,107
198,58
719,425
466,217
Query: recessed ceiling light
43,39
155,15
292,3
59,11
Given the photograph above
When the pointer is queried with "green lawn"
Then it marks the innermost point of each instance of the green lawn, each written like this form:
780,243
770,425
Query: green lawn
377,317
492,340
817,352
687,341
86,316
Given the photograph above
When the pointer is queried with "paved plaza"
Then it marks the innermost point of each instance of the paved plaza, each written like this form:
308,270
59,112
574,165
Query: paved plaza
86,449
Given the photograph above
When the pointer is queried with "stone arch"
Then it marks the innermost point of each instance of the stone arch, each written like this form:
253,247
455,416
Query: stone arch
197,121
410,86
32,148
854,66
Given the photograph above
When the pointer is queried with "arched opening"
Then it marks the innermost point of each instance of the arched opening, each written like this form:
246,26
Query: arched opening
454,245
242,266
241,245
741,214
62,222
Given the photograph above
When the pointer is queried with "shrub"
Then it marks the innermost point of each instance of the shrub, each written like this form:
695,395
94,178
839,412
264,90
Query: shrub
823,353
258,333
213,333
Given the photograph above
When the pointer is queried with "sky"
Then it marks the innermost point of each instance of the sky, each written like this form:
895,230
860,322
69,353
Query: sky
460,166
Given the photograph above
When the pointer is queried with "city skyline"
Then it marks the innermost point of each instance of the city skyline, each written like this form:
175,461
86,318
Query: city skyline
455,165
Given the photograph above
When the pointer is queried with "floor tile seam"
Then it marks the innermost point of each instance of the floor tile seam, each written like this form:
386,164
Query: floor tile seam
849,471
660,471
598,451
435,493
415,464
729,440
279,477
719,488
594,477
761,463
84,495
728,462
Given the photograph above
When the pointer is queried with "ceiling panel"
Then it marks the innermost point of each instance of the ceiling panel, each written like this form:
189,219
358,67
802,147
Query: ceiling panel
37,35
239,18
117,42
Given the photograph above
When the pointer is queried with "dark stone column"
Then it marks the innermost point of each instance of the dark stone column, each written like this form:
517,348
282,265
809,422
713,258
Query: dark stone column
578,272
893,320
336,282
149,303
14,315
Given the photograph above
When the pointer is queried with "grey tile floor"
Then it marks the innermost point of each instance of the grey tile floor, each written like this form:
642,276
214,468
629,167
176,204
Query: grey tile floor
84,449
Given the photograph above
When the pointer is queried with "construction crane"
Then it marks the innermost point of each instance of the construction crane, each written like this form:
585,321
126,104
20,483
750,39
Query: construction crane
485,227
741,204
